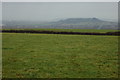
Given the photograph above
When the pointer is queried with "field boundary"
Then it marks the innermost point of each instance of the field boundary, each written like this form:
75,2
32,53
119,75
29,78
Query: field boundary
61,32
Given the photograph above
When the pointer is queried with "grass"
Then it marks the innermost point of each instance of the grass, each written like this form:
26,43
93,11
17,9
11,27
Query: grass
0,56
59,56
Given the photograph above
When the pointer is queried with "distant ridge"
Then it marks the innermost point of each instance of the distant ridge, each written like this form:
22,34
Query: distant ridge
69,23
77,20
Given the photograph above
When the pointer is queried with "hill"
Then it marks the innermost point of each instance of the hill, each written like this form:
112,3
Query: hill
69,23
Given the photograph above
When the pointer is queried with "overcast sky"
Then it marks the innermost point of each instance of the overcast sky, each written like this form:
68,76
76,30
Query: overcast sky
60,0
49,11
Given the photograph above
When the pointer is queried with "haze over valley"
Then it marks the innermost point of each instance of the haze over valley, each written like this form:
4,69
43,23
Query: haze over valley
69,23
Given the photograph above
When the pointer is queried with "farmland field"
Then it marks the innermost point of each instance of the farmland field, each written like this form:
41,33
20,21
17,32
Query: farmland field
69,30
59,56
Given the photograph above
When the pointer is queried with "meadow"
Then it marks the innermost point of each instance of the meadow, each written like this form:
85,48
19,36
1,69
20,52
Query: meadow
27,55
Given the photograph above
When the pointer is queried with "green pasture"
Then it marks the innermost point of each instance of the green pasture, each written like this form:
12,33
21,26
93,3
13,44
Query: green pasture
59,56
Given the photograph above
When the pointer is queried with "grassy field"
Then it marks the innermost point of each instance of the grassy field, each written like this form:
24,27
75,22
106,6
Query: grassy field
59,56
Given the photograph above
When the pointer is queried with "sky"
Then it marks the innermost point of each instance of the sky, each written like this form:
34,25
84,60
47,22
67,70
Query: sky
0,13
59,0
51,11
